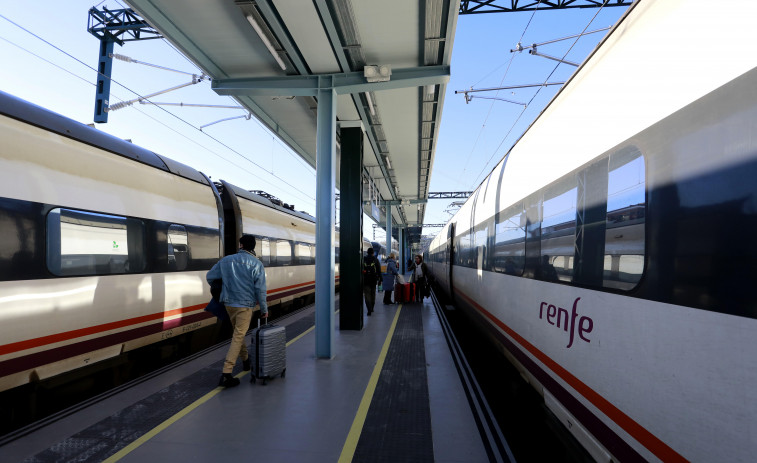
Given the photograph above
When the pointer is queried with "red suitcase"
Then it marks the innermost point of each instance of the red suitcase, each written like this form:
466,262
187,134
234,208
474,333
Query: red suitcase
404,292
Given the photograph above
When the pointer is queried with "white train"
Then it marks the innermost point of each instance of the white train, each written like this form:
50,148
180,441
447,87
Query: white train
105,245
612,255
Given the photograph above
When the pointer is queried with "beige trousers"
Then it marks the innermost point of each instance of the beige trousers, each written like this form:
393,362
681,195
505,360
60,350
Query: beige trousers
240,321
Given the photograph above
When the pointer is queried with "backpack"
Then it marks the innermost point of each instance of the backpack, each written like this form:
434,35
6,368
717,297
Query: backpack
370,274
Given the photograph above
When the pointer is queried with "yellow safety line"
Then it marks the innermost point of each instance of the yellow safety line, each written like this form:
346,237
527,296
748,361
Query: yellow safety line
348,451
156,430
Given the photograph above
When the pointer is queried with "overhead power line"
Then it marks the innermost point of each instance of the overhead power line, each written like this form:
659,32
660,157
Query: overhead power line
163,109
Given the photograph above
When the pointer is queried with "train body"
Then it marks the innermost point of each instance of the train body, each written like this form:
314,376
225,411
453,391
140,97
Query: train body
105,245
611,255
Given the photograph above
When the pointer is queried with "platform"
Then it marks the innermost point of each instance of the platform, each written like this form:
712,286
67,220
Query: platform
392,393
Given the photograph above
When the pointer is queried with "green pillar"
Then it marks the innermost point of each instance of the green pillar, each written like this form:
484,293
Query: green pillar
351,228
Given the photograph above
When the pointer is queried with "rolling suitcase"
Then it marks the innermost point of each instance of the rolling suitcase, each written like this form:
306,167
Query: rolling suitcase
404,292
268,352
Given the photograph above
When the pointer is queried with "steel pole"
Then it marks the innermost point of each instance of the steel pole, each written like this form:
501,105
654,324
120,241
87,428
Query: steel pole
324,233
388,229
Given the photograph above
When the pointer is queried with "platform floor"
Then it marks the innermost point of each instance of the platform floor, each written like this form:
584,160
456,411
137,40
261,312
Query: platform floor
390,394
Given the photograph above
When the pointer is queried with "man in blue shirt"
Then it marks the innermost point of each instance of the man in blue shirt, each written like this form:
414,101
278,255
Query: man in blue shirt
243,278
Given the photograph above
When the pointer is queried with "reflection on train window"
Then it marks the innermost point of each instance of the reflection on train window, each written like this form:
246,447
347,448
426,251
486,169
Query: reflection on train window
178,248
480,246
302,254
510,241
86,243
283,252
558,232
265,251
626,211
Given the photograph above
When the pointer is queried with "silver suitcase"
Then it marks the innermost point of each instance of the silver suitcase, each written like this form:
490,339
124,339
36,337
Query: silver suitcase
268,352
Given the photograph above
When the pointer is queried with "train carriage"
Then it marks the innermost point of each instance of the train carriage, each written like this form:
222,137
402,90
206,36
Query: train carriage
610,253
105,246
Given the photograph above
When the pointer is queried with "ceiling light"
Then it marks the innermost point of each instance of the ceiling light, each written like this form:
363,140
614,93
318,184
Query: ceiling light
266,42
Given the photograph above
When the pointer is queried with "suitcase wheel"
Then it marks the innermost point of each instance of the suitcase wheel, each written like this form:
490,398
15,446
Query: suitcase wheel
284,372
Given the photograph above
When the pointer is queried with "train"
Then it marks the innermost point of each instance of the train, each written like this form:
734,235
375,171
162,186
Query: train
105,245
611,254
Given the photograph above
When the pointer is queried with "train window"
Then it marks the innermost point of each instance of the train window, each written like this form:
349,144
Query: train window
626,211
86,243
302,254
178,248
480,246
283,252
558,231
510,241
265,251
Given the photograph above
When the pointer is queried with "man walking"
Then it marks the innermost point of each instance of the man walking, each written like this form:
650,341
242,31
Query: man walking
243,278
371,275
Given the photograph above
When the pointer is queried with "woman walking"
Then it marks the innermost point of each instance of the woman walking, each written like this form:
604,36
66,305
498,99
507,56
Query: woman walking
388,278
420,271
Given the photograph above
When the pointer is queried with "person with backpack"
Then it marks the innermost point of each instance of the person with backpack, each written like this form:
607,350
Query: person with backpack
371,275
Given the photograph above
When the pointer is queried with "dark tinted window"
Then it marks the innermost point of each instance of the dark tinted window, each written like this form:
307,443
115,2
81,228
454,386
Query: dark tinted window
178,248
558,231
510,241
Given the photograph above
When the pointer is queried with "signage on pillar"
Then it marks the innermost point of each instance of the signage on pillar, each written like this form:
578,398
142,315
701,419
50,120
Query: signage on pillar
375,211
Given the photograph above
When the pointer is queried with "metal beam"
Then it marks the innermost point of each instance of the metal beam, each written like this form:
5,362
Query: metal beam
342,83
511,6
341,56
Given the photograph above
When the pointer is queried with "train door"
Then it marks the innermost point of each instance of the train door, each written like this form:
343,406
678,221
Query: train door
450,258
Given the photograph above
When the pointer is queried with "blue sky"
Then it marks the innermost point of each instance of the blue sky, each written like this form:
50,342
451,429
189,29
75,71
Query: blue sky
473,137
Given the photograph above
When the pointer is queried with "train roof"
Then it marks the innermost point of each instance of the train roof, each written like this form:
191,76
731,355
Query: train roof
242,193
27,112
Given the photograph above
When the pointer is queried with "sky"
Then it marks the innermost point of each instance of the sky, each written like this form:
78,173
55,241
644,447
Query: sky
52,65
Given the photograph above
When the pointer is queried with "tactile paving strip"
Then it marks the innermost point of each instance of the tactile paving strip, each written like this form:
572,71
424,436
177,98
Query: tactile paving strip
398,425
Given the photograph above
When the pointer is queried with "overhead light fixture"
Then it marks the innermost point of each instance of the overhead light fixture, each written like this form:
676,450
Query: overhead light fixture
388,164
370,103
430,89
373,73
266,42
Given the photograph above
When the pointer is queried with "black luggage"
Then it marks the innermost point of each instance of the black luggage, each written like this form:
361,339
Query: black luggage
268,352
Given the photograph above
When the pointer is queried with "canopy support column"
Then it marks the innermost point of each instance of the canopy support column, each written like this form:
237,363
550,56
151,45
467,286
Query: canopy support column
325,172
351,226
388,229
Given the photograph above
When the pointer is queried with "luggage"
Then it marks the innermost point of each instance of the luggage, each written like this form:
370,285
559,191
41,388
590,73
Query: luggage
268,352
404,292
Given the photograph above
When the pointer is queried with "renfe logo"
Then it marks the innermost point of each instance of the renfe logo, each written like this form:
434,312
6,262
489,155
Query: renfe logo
585,324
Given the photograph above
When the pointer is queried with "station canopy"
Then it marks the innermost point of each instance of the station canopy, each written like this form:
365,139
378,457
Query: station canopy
285,41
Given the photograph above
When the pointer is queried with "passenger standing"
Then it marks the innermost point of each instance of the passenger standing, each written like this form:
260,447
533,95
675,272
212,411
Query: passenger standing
418,277
243,278
371,275
388,278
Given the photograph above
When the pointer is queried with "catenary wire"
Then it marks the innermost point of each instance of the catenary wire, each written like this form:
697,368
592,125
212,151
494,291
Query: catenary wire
491,106
161,108
537,93
88,82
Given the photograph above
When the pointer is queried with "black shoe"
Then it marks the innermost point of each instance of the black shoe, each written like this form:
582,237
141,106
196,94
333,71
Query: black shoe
228,381
247,364
370,312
